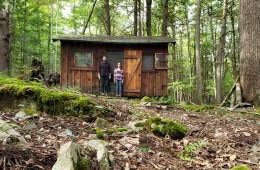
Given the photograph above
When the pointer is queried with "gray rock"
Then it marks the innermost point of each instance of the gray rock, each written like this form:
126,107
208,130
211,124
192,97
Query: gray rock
30,126
20,115
99,146
102,123
68,157
131,125
7,132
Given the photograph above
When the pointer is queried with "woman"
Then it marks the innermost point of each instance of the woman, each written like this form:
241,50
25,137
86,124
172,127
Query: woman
118,79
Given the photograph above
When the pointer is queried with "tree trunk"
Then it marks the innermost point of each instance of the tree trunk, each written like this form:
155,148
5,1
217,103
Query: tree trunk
250,50
148,17
135,17
220,53
140,18
107,17
4,38
198,57
89,16
165,17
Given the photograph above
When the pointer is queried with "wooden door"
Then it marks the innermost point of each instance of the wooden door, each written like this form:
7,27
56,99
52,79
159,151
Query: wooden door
132,73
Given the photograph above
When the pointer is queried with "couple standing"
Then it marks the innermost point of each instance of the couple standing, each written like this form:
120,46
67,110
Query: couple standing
104,75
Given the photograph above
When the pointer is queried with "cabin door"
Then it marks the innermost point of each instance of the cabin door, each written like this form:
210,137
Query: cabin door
132,73
113,57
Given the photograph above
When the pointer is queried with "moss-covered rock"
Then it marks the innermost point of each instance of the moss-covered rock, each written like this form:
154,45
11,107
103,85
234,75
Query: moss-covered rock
162,127
51,101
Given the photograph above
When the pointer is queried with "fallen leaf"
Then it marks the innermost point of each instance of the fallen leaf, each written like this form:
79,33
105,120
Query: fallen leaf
232,157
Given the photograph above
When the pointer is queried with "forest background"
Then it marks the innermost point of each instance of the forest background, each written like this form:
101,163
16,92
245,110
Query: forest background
203,65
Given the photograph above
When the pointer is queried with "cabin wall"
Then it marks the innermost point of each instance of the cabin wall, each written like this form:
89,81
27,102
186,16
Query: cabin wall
153,82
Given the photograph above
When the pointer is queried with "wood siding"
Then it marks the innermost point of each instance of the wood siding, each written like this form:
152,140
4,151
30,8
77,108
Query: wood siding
151,83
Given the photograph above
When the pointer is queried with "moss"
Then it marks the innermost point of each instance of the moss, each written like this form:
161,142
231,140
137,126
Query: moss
83,164
162,127
146,99
55,102
121,129
99,132
241,167
196,108
140,124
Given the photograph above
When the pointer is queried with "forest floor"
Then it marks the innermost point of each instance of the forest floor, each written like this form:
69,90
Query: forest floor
216,139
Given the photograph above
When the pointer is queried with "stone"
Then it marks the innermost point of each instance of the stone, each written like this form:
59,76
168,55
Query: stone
20,115
7,132
99,147
129,142
69,158
102,123
131,126
30,126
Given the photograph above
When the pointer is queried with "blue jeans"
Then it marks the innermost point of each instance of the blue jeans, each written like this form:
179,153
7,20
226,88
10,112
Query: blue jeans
118,87
104,83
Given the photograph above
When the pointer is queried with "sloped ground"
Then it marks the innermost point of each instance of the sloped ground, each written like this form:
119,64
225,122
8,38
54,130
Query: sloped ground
213,141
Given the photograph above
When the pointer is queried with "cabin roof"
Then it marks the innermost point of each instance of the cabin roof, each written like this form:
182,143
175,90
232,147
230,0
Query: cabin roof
116,40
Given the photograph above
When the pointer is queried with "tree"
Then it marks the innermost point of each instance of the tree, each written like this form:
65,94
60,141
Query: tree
107,17
135,17
148,17
4,38
250,50
220,53
165,17
198,57
89,16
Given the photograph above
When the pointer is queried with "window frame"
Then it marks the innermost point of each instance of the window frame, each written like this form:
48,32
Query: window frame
85,52
155,61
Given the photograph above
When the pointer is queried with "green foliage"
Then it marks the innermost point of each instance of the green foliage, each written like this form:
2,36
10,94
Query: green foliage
241,167
147,99
189,150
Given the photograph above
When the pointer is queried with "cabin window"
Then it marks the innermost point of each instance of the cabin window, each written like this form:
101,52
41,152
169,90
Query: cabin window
83,59
161,61
147,62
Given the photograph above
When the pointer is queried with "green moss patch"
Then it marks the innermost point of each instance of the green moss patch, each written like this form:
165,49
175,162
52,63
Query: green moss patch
241,167
51,101
162,127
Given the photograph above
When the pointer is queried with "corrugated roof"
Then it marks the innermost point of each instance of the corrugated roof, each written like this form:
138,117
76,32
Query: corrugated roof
116,40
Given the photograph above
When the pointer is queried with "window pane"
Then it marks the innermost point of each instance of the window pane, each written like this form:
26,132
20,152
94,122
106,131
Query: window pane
83,59
147,63
161,61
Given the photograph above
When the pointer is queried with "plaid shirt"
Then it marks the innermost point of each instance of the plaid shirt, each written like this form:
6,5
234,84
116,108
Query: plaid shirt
118,74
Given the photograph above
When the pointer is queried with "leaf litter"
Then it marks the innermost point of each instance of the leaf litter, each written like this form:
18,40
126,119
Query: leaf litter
212,142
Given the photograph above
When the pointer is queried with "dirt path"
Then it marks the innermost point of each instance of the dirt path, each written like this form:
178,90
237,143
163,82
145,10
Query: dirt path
213,141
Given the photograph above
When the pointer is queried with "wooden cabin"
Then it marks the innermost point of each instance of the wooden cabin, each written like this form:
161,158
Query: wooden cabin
144,61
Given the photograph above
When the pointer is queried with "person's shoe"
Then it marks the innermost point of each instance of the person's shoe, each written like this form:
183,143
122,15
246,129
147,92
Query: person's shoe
102,94
116,95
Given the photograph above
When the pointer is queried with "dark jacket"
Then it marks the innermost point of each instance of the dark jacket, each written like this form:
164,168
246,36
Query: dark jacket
104,69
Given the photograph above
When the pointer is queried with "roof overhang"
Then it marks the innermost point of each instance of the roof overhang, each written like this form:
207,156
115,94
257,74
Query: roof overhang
116,40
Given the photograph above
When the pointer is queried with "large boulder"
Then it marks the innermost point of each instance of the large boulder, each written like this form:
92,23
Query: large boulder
99,147
69,158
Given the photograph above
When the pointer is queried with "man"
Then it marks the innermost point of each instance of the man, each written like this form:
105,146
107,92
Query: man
104,74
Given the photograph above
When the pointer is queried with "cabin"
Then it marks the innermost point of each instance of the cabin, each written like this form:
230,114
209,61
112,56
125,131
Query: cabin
144,61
